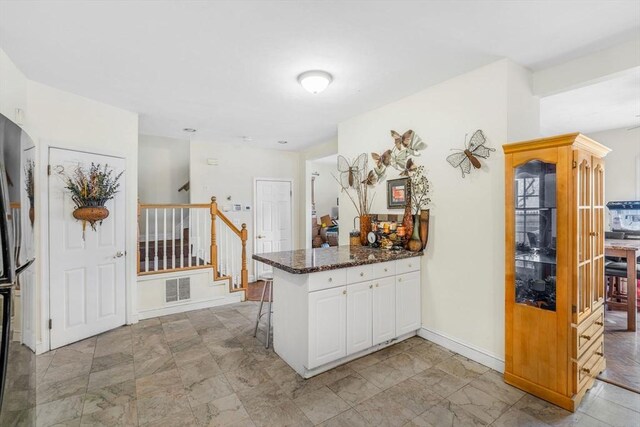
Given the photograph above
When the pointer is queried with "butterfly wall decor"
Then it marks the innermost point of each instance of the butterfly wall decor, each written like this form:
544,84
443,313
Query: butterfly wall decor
468,157
351,173
399,157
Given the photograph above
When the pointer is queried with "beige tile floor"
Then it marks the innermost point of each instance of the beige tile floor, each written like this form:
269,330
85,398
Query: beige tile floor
205,368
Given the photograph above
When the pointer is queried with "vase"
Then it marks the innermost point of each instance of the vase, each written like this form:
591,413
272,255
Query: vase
365,228
424,227
407,220
415,244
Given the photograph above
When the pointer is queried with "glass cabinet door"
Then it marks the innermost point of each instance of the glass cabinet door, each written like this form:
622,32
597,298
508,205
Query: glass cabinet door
535,234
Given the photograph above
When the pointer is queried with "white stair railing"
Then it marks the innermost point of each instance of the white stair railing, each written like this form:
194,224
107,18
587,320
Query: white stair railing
179,237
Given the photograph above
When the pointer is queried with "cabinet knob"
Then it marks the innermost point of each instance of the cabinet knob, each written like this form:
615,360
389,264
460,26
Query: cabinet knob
377,285
330,279
361,274
399,279
370,286
599,353
586,370
344,292
409,265
586,337
385,270
600,323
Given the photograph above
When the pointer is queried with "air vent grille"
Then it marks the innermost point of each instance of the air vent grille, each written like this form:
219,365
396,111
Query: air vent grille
178,289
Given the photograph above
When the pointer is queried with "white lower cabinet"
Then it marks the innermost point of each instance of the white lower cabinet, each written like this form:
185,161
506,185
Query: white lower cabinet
348,318
408,302
384,309
327,326
359,317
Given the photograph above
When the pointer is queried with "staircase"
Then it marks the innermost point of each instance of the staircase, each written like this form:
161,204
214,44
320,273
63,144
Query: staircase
184,237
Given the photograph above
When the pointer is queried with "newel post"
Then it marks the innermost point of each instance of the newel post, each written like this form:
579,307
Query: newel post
214,244
245,273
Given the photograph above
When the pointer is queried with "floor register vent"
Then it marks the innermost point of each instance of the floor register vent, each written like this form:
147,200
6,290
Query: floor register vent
178,289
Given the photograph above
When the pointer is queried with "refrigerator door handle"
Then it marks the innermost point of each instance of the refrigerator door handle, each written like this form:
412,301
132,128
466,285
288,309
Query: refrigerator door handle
24,266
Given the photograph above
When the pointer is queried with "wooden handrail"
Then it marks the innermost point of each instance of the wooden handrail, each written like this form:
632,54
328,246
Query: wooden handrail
242,233
174,205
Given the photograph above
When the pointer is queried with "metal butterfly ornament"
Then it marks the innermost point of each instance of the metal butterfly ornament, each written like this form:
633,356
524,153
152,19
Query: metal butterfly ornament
350,172
474,148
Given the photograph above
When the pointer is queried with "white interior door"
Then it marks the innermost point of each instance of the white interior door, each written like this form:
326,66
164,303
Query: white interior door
87,276
273,218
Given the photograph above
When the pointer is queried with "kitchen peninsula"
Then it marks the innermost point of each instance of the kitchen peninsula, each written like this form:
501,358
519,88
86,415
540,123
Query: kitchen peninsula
333,305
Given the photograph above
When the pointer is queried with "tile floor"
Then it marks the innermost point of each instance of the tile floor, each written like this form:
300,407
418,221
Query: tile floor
622,350
205,368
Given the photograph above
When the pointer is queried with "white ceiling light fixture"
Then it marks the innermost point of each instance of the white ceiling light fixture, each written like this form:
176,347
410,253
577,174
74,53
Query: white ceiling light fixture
315,81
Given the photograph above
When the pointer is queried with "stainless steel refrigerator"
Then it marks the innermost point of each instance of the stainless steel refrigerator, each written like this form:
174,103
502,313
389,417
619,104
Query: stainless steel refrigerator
17,277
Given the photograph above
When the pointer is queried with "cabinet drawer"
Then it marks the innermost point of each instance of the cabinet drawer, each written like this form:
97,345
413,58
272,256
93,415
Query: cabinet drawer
408,264
384,269
589,365
327,279
359,273
587,332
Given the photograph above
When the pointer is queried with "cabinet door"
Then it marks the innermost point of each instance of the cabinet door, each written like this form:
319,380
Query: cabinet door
583,181
327,326
384,309
597,232
359,319
408,316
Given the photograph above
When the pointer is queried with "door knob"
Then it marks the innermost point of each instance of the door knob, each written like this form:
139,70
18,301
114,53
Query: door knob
119,254
260,236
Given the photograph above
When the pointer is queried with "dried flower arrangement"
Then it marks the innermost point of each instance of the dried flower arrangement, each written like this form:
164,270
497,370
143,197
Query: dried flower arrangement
90,190
354,178
420,189
30,187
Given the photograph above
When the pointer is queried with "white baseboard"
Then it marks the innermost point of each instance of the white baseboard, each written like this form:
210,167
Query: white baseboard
228,299
469,351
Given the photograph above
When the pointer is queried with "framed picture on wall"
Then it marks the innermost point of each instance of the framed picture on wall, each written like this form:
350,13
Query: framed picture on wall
397,193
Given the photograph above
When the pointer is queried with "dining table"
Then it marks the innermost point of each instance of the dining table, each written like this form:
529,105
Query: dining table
629,249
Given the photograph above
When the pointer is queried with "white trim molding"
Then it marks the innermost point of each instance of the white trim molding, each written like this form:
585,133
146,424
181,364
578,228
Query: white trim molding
469,351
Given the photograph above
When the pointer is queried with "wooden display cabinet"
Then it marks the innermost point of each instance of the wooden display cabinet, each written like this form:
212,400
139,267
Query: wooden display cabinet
554,271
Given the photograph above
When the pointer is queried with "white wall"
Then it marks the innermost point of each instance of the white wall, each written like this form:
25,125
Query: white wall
327,189
57,118
233,177
622,164
463,267
163,167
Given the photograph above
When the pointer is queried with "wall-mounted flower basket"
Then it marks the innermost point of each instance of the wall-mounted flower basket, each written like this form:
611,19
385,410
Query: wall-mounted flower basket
90,191
91,214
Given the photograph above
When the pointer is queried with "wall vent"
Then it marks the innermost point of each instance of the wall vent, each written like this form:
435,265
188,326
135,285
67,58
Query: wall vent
178,289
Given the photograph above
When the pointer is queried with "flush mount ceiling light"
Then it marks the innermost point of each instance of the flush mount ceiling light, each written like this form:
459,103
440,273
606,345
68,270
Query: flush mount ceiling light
315,81
190,130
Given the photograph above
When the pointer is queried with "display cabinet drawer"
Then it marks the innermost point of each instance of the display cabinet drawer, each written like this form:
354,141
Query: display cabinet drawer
384,269
407,265
587,332
589,365
327,279
359,273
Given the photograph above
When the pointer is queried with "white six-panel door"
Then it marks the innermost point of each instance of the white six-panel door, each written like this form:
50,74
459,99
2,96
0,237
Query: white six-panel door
273,218
87,276
359,317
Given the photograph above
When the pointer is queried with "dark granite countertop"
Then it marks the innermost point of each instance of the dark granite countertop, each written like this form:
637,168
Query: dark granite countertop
303,261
